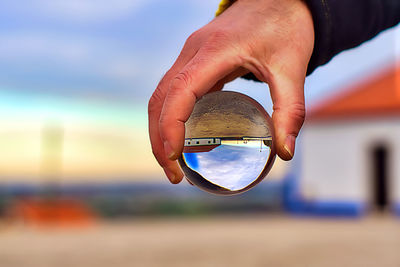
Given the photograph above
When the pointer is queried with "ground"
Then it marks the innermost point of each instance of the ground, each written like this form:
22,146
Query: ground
207,241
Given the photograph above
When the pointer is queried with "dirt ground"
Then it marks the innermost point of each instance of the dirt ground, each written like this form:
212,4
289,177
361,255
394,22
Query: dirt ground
208,241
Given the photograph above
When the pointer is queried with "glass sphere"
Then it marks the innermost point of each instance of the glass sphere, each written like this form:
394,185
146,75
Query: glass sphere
229,144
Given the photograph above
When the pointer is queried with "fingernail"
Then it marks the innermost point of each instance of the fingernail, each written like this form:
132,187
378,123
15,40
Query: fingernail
290,144
169,152
171,176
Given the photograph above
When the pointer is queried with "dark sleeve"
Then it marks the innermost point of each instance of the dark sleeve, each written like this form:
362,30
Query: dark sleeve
344,24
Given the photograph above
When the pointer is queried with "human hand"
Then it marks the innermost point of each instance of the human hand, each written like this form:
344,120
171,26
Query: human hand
273,39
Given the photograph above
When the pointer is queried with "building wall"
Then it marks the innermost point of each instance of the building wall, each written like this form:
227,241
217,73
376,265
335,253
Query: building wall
336,159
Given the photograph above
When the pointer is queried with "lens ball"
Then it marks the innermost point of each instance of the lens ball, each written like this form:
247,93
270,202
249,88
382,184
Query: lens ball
229,144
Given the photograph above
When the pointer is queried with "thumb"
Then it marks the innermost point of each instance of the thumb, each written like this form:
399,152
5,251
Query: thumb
196,79
289,113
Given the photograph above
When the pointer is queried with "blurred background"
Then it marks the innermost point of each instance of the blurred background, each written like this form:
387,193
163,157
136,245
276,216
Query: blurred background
79,184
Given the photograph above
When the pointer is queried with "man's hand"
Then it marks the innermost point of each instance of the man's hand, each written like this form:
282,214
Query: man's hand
273,39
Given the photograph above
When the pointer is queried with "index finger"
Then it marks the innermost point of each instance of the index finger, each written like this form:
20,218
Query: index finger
156,102
193,81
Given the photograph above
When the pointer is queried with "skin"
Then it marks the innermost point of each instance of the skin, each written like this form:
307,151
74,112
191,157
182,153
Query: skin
273,39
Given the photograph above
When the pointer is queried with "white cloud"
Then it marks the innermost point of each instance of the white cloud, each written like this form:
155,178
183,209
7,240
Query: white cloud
232,166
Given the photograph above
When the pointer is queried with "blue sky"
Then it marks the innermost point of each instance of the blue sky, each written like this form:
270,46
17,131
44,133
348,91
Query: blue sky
105,49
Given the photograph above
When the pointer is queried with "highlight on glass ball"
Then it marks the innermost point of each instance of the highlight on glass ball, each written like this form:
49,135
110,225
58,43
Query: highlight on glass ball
229,144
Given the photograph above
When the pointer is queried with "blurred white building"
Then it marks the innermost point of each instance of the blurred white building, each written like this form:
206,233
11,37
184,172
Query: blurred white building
350,154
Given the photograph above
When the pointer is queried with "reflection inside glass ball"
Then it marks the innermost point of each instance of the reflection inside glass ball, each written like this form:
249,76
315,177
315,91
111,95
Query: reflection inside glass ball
228,143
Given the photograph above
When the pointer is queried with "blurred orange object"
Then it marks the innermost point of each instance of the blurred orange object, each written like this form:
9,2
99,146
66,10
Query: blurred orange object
52,212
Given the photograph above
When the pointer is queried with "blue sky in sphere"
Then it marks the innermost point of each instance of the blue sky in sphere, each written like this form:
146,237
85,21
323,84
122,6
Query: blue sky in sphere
231,166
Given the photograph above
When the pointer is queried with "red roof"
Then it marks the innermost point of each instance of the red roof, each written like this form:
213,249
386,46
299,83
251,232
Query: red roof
375,97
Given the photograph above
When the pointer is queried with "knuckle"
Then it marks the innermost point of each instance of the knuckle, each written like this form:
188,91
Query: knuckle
216,40
219,36
193,38
297,111
155,100
181,81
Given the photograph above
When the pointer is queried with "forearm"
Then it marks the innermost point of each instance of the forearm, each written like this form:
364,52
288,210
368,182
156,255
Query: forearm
340,25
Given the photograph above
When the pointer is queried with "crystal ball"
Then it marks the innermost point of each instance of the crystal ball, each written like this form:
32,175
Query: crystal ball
229,144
